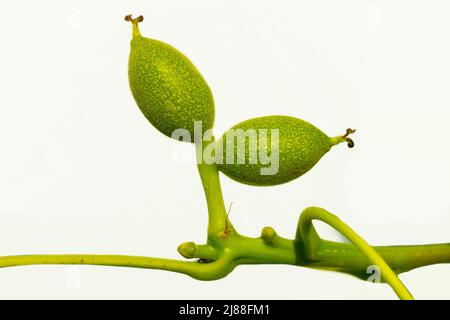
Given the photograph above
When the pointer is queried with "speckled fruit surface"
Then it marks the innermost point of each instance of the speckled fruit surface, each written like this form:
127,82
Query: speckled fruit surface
300,146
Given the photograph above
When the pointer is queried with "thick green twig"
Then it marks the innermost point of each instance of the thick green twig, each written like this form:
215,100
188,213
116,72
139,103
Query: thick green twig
226,249
334,256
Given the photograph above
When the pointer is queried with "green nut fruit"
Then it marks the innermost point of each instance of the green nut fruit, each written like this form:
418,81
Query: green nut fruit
167,87
272,150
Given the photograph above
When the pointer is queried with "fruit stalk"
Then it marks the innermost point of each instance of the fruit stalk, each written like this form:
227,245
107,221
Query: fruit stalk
217,215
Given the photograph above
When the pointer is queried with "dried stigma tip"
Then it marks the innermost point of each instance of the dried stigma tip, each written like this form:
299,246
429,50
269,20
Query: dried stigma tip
349,132
135,22
350,143
129,18
344,138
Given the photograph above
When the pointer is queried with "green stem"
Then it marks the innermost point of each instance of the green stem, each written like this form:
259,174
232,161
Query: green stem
334,256
238,250
312,243
344,257
227,249
217,215
201,271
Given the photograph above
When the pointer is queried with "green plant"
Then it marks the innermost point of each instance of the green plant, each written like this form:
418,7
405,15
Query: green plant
225,248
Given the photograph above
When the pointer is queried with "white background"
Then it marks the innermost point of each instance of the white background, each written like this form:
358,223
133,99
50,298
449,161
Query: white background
82,171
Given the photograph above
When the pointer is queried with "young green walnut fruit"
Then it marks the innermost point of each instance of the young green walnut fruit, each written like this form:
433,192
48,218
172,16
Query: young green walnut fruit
167,87
272,150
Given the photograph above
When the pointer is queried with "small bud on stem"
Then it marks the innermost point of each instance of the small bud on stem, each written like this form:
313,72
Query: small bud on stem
268,235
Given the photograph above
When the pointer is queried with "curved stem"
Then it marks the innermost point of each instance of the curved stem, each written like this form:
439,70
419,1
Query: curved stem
312,241
201,271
